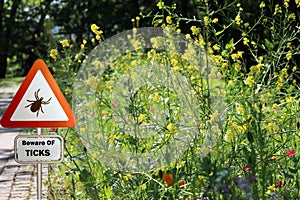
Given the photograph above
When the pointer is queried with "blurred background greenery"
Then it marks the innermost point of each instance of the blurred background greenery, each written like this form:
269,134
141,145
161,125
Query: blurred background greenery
29,27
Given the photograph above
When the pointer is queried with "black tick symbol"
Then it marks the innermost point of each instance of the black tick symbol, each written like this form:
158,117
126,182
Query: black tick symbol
36,104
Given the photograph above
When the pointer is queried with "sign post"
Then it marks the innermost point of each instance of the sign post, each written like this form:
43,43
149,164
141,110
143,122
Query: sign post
38,103
39,173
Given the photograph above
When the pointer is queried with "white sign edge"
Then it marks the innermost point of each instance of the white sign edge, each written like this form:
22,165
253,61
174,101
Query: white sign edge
39,136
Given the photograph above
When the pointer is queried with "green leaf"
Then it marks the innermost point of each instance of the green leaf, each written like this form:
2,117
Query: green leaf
89,183
268,44
225,53
108,192
229,44
292,170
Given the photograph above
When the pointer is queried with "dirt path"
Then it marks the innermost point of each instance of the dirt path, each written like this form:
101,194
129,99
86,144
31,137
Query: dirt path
17,181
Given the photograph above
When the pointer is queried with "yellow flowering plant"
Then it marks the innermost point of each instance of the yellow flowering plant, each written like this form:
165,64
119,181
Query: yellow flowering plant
252,151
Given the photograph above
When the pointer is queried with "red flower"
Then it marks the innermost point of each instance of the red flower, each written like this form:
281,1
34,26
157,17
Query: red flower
52,129
245,169
181,184
104,115
290,152
279,184
168,178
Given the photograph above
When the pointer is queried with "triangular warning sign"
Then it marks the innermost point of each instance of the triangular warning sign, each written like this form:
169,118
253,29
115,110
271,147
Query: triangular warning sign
38,102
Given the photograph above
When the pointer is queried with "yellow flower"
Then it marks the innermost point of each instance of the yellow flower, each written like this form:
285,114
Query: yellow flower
237,67
249,81
142,118
286,3
215,20
238,20
253,44
236,56
239,6
53,54
112,138
155,97
171,127
216,47
240,109
213,117
289,99
98,37
64,43
169,20
195,30
144,186
180,164
268,192
240,54
274,157
229,136
245,41
288,55
271,187
205,20
95,29
243,127
127,176
160,4
176,68
262,5
271,126
277,9
294,68
255,69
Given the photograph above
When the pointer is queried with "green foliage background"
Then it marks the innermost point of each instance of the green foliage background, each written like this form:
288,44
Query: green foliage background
256,52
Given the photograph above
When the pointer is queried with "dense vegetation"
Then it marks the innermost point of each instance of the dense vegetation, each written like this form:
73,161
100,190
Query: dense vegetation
242,146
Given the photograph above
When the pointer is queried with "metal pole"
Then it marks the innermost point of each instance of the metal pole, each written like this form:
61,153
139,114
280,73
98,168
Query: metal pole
39,173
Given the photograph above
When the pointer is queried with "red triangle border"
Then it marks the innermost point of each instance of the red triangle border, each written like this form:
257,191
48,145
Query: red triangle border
39,65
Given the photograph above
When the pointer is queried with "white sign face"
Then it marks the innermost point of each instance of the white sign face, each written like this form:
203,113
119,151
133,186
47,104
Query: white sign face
38,149
39,103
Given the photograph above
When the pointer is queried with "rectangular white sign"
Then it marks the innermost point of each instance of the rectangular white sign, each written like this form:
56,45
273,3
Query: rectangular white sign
38,148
